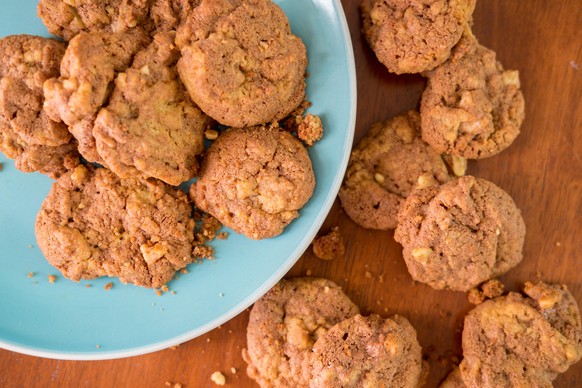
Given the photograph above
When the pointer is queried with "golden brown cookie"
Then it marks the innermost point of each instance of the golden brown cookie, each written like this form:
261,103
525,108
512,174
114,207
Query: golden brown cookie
240,62
285,323
95,224
367,352
384,167
150,126
66,18
471,107
168,15
412,36
27,134
460,234
88,69
254,180
521,341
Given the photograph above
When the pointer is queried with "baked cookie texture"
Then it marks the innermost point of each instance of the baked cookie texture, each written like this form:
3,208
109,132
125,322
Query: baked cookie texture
471,106
367,352
150,126
522,341
240,62
412,36
460,234
27,134
68,18
383,169
88,68
168,15
285,323
95,224
254,180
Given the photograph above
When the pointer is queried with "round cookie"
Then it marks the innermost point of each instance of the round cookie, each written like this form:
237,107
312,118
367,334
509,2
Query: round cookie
286,322
94,224
150,126
384,168
511,341
240,62
460,234
471,107
66,18
254,180
412,36
367,352
88,68
27,134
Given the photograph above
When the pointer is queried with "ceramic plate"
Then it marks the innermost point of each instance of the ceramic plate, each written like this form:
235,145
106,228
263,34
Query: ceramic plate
69,320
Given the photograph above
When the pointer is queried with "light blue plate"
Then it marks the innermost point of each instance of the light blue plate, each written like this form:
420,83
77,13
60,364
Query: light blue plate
68,320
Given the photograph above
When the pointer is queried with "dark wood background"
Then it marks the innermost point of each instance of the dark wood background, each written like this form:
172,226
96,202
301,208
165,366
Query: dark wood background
542,170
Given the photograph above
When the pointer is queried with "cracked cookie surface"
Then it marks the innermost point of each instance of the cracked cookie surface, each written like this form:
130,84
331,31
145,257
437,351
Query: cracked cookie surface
412,36
384,167
95,224
471,106
460,234
286,322
254,180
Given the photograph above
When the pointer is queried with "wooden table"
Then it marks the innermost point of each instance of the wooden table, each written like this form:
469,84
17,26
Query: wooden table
542,170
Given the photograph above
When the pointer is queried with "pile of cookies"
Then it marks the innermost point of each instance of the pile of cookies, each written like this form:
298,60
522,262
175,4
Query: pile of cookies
119,112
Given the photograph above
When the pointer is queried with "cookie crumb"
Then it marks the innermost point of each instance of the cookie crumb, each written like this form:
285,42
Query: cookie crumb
492,288
310,130
165,288
233,370
159,292
30,274
1,167
308,272
87,286
184,271
558,244
97,346
218,378
368,275
475,296
573,65
173,292
52,279
329,246
167,384
178,385
108,286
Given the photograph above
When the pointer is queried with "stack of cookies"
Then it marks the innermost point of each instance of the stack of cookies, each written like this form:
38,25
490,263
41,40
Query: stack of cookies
121,110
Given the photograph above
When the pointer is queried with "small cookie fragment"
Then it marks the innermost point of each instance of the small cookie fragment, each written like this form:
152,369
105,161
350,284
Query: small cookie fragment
240,62
218,378
471,106
329,246
412,36
254,180
310,129
367,352
488,290
513,341
384,167
460,234
95,224
286,322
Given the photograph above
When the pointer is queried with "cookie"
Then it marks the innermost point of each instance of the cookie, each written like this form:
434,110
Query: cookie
521,341
285,323
460,234
412,36
254,180
88,69
383,169
471,106
27,134
168,15
367,352
66,18
240,62
150,126
95,224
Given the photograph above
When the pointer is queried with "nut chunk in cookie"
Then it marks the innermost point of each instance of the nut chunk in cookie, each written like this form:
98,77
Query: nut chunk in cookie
367,352
150,126
240,62
471,107
412,36
27,134
68,18
384,167
95,224
285,323
521,341
460,234
254,180
89,66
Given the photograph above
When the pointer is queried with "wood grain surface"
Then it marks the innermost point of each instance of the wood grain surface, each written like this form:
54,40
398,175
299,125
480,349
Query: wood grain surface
542,171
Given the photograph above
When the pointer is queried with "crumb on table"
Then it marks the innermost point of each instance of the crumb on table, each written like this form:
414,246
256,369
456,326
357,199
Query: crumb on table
218,378
329,246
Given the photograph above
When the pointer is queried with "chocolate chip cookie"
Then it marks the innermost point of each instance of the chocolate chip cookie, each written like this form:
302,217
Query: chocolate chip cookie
384,167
